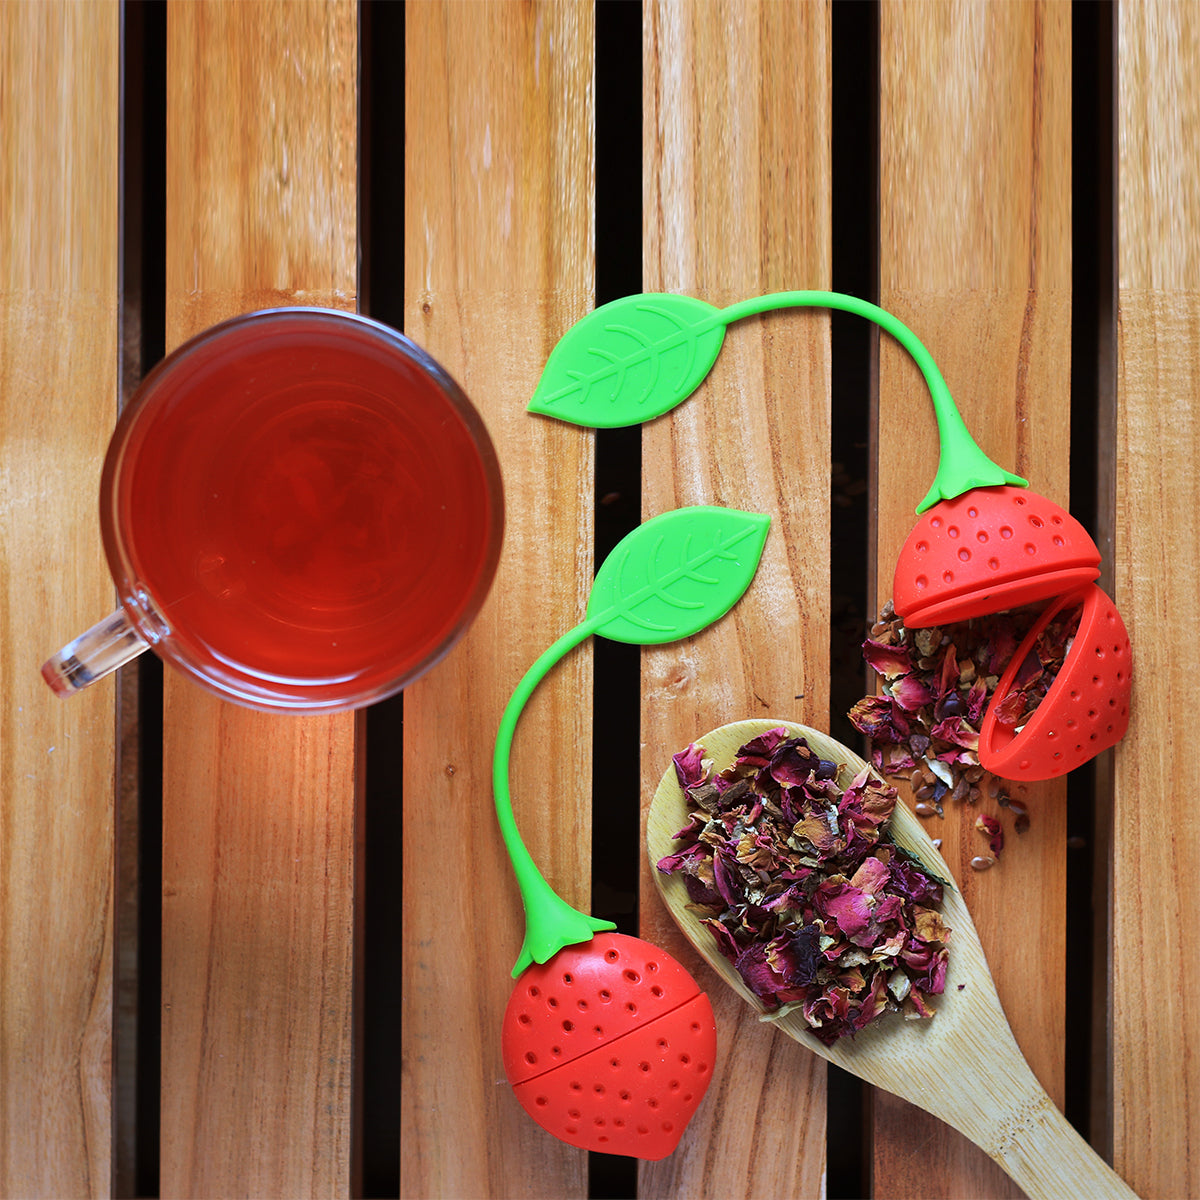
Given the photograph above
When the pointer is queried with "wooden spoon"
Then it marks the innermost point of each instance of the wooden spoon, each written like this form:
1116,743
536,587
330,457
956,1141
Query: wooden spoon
963,1065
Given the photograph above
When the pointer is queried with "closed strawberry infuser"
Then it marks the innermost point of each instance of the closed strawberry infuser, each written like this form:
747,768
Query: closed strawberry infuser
610,1046
608,1042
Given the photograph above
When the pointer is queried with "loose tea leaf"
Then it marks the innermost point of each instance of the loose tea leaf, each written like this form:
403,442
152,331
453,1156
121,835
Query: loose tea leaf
936,685
803,890
630,361
990,828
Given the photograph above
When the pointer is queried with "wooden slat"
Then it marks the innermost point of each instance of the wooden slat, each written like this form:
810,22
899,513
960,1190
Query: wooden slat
1156,1032
258,810
499,263
975,233
59,174
736,203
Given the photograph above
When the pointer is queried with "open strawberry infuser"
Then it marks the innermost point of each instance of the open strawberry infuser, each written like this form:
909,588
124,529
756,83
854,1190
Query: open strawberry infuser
984,543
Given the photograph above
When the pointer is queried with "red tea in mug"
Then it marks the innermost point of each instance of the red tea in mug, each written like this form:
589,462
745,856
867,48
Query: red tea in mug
301,509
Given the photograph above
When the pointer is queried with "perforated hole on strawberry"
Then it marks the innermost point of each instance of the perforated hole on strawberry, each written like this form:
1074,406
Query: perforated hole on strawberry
839,961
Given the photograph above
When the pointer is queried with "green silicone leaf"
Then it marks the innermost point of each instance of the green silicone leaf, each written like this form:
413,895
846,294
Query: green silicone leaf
676,574
630,361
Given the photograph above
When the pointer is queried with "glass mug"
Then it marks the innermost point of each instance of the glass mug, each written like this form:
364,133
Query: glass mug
301,511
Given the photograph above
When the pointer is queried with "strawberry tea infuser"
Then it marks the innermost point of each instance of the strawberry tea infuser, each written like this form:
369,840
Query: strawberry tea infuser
984,542
608,1042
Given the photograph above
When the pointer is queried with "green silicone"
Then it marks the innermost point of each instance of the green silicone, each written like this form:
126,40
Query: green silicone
676,574
962,465
550,922
668,579
630,360
636,358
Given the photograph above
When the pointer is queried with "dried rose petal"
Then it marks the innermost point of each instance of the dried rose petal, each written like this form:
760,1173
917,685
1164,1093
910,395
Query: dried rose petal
889,661
1011,709
990,828
847,905
689,766
911,693
881,719
803,890
927,719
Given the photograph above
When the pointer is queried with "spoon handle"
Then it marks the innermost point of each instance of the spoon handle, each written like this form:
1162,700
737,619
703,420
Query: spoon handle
1051,1159
1013,1120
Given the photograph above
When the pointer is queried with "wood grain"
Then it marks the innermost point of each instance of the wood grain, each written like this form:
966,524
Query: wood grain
1155,1030
736,203
499,262
59,177
258,810
975,186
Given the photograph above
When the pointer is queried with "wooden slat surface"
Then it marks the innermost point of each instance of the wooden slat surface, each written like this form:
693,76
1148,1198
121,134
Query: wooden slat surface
59,176
261,814
499,263
258,810
975,235
736,203
1155,1031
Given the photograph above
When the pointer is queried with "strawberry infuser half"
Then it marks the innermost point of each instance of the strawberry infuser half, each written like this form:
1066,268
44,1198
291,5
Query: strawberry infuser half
990,549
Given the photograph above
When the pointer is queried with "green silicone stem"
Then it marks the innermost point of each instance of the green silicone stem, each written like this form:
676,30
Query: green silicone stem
962,465
550,922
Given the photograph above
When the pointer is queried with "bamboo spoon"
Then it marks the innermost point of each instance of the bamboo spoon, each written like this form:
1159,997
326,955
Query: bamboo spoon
963,1065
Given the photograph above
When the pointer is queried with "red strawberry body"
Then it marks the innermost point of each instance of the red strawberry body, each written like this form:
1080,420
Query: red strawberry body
1086,709
610,1046
990,549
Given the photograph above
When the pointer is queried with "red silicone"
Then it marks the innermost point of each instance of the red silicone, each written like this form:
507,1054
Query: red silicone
591,1044
1086,709
988,550
635,1095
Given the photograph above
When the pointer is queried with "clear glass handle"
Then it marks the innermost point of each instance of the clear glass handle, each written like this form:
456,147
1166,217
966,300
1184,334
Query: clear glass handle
109,644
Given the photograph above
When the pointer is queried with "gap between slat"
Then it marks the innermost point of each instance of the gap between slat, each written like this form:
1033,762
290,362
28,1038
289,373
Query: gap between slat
616,734
137,962
854,155
379,963
1093,440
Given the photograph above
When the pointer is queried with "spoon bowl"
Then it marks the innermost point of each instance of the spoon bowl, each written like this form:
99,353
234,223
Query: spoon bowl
963,1065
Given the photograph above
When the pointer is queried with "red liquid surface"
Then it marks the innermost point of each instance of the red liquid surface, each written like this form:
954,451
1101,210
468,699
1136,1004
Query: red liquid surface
307,511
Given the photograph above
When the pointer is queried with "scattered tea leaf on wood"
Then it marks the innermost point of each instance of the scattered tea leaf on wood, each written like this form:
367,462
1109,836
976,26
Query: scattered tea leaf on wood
936,685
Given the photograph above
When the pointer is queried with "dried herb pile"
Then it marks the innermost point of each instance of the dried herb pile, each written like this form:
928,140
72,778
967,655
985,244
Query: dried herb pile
805,893
936,686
